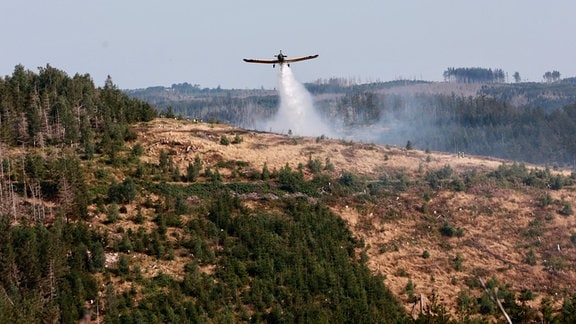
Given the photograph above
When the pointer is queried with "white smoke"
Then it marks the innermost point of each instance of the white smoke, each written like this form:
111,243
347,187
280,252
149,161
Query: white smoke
296,114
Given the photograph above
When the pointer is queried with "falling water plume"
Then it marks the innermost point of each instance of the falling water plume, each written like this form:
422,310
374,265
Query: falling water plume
296,113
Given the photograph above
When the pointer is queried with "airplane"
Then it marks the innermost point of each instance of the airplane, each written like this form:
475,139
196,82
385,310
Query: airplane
281,59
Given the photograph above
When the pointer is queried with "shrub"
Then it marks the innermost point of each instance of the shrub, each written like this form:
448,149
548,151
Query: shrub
137,150
265,175
123,192
450,231
409,289
224,140
458,260
123,264
546,200
349,179
409,145
314,165
566,209
328,165
113,213
237,139
425,254
530,258
557,182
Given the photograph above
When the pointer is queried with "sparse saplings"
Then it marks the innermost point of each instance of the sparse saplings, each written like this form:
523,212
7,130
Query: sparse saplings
557,182
314,165
349,179
409,289
409,145
224,140
123,192
289,180
216,177
123,264
165,162
169,113
568,311
193,170
113,213
208,172
139,218
265,172
458,260
137,150
237,139
530,258
546,200
328,166
566,209
465,304
547,309
450,231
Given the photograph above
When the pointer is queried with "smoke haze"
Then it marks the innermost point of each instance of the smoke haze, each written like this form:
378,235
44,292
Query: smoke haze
296,114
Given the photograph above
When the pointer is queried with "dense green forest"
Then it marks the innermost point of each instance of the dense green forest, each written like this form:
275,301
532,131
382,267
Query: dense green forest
530,122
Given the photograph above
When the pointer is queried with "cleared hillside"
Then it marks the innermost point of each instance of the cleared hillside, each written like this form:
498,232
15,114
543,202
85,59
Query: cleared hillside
436,220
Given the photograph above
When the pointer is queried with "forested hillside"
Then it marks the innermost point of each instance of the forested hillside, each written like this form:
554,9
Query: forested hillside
94,229
530,122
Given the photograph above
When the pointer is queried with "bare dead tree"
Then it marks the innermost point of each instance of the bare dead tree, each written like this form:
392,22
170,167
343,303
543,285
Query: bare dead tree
494,296
66,195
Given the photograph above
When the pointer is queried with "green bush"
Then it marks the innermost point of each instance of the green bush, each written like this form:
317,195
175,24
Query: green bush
314,165
224,140
530,258
458,260
450,231
546,200
566,209
237,139
123,192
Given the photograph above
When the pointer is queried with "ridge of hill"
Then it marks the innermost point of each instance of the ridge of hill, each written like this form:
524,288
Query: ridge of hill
530,122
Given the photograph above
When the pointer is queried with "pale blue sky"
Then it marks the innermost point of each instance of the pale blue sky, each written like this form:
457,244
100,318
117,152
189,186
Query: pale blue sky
147,43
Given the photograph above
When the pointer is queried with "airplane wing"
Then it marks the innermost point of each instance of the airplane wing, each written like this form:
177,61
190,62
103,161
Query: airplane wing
298,59
262,61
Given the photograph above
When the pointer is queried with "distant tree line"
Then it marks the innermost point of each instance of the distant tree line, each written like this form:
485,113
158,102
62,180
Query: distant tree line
550,77
474,75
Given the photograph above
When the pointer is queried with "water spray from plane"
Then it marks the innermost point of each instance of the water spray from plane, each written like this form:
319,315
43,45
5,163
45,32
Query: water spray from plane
296,114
